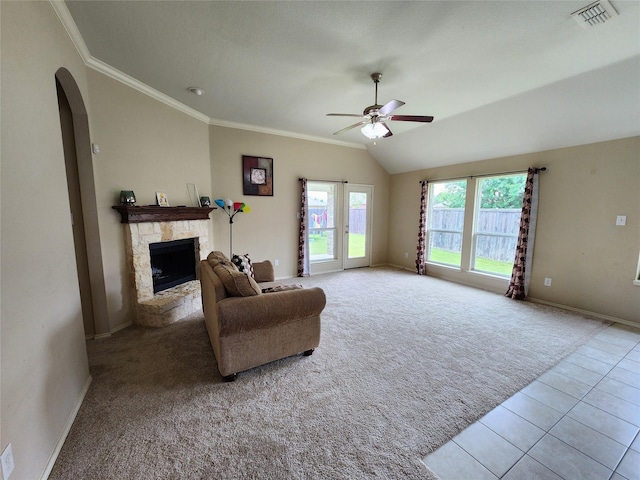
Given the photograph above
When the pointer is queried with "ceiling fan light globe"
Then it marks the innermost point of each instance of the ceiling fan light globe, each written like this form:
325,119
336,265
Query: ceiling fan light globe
374,130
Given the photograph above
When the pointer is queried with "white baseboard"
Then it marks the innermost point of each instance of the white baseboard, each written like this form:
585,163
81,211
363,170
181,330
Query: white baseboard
379,265
628,323
289,277
408,269
108,334
65,432
601,316
121,327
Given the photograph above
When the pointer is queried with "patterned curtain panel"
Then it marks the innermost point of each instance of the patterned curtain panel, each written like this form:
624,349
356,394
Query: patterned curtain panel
422,232
520,275
303,245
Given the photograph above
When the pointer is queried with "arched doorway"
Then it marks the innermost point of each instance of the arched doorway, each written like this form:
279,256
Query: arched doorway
82,200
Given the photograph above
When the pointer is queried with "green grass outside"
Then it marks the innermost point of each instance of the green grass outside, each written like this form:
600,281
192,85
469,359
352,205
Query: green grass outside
318,244
356,245
483,264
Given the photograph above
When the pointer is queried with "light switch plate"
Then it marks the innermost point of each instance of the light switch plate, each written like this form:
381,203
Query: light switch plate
621,220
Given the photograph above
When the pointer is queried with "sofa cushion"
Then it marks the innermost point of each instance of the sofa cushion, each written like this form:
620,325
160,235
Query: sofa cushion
243,263
263,271
236,284
219,258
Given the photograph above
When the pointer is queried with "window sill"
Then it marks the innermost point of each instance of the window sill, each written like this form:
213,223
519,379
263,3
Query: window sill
636,283
444,265
470,272
468,277
489,275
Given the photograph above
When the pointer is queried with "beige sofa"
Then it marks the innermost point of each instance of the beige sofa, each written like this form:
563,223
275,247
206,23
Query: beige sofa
248,328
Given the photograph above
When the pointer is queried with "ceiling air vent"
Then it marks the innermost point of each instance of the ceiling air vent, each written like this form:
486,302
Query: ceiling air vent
594,14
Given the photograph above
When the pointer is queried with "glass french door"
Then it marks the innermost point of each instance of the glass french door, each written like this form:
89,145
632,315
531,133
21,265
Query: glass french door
358,201
339,233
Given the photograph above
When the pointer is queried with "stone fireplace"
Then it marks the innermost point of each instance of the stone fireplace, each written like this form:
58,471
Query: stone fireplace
145,226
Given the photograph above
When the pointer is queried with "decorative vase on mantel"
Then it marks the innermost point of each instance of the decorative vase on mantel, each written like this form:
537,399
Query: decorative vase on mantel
127,198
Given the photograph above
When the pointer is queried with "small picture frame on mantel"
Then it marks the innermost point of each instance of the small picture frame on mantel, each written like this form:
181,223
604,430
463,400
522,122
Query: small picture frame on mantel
162,199
257,176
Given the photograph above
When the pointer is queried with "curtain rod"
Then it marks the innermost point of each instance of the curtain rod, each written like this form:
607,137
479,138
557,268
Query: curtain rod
328,181
541,169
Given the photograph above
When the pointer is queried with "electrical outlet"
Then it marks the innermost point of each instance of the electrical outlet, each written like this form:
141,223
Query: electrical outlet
7,462
621,220
547,282
276,262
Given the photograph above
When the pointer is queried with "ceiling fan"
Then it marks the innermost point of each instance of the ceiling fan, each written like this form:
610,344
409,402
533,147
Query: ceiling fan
375,116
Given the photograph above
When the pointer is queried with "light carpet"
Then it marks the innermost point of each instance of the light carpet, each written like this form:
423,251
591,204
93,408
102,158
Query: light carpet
404,364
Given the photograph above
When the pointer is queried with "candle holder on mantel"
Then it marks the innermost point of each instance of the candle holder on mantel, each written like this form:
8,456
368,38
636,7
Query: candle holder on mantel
231,208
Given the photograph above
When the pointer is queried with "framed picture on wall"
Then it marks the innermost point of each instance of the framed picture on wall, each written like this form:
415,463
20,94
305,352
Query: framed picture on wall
257,175
162,199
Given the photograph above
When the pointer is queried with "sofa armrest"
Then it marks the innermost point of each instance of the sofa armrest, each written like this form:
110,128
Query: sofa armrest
263,271
241,314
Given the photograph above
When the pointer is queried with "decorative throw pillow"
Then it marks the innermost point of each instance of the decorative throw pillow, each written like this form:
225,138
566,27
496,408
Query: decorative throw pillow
237,284
281,288
219,258
243,262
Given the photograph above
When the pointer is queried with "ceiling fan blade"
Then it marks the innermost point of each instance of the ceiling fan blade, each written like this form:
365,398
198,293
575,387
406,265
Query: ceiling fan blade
411,118
351,126
344,115
389,132
390,107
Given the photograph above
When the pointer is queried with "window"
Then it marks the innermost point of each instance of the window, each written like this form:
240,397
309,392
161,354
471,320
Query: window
321,207
497,222
446,222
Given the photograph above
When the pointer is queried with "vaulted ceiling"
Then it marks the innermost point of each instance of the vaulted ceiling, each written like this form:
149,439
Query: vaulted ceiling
500,77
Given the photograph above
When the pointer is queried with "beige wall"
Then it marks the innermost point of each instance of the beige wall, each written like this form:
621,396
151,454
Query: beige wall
592,262
145,146
43,360
270,231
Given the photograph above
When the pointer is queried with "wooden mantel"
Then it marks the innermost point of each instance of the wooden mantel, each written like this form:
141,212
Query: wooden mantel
152,213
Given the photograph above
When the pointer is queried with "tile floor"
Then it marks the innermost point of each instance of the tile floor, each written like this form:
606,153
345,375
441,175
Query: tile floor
580,420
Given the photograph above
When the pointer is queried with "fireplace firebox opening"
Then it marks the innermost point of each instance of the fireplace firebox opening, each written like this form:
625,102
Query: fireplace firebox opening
172,263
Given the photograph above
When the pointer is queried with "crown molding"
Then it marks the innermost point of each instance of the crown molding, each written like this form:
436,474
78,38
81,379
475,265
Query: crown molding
283,133
128,80
70,26
72,29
